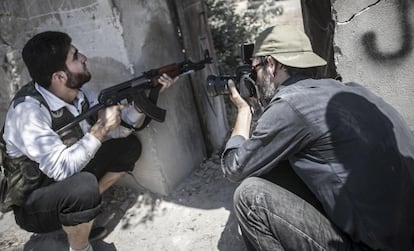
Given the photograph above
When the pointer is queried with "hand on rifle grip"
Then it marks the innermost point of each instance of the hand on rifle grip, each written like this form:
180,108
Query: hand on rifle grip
110,117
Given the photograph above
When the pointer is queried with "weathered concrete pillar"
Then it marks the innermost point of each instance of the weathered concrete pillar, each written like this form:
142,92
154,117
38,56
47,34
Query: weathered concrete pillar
192,18
121,39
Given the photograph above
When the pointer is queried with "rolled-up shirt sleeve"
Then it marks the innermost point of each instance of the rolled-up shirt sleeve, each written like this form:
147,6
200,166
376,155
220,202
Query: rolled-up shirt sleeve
130,116
280,132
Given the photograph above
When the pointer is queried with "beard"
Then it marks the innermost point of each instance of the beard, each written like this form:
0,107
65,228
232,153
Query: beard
267,89
77,80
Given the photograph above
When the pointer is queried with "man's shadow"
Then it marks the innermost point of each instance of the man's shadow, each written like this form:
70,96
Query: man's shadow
371,149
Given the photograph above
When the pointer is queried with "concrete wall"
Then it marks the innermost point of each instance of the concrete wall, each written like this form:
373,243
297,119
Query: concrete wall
375,48
121,39
197,38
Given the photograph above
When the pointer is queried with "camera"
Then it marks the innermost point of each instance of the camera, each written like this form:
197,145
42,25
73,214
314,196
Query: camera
217,85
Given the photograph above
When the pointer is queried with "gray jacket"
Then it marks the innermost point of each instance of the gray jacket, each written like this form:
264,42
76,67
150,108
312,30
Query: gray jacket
352,149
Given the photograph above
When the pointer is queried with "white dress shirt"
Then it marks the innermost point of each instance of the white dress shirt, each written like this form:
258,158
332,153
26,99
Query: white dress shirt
28,132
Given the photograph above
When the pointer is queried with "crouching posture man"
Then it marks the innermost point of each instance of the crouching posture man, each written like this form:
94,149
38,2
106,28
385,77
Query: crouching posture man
63,176
349,148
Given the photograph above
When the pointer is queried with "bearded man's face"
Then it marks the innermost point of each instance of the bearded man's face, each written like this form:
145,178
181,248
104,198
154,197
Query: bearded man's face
76,69
77,80
266,88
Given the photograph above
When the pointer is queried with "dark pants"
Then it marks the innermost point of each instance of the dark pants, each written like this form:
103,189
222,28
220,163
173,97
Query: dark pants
273,218
76,199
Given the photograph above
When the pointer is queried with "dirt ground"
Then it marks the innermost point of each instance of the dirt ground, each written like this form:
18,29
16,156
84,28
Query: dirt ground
196,216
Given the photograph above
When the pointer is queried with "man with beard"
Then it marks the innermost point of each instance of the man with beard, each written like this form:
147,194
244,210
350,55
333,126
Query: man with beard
63,176
351,156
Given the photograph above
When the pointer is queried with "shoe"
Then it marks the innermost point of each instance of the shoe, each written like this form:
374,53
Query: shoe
97,233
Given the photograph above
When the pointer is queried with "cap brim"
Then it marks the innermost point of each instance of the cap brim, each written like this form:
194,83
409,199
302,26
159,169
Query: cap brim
304,59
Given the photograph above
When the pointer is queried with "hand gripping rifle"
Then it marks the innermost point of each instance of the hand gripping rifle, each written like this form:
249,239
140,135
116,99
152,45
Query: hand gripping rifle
134,89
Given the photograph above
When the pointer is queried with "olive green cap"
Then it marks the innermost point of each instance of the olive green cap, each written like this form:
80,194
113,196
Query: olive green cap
288,45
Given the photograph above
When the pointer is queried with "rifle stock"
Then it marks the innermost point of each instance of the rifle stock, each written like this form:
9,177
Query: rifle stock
172,70
136,87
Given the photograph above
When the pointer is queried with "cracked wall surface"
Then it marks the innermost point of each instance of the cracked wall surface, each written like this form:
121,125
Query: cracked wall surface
374,46
121,40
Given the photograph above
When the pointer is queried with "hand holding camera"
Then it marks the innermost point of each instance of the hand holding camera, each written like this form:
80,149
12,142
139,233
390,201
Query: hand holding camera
243,80
236,98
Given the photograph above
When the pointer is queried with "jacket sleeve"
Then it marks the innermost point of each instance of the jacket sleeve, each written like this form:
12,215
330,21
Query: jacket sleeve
130,116
280,132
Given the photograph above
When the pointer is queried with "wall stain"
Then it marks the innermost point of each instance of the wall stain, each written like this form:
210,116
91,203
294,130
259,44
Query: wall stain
369,39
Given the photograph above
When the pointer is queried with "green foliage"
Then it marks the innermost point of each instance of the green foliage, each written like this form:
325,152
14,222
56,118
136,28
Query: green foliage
229,30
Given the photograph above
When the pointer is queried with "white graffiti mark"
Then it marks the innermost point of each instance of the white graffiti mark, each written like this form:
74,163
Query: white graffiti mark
358,13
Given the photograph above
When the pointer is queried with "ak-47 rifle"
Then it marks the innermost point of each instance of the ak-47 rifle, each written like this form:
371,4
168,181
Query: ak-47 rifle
134,89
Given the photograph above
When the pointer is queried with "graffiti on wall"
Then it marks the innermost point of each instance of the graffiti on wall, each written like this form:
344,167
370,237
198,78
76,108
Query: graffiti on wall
369,39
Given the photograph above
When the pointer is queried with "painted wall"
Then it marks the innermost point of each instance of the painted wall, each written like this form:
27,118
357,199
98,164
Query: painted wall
121,39
374,46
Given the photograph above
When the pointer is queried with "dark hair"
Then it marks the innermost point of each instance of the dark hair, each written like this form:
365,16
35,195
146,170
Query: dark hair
45,54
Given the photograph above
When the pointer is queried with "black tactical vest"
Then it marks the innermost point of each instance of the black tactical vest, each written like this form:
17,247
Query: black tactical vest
21,175
60,117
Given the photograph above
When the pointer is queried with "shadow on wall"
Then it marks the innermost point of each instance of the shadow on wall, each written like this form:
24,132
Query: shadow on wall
373,169
370,43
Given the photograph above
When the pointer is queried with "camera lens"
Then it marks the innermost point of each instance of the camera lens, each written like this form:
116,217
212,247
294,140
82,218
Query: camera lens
217,85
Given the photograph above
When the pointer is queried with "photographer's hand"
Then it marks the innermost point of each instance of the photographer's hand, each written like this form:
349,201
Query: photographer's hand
244,114
235,97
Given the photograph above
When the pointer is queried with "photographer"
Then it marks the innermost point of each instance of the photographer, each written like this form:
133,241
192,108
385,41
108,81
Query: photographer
352,157
62,176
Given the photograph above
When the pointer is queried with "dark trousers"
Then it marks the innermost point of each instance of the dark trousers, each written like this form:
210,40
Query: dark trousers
76,199
279,213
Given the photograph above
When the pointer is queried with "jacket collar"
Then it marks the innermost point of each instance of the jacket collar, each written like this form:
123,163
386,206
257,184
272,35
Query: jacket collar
293,79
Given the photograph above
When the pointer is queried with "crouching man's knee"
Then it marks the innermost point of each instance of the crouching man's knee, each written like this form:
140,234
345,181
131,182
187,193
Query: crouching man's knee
82,202
246,192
